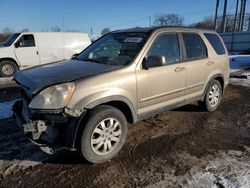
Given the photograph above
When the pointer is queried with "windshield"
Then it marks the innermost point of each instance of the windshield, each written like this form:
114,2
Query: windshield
114,48
9,40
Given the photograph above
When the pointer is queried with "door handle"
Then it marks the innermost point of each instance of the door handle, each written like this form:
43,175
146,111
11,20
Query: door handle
179,69
36,52
210,63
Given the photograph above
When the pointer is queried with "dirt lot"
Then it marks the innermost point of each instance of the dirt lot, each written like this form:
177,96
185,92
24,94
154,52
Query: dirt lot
186,147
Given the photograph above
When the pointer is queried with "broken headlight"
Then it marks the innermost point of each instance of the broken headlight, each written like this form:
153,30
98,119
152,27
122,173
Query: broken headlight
53,97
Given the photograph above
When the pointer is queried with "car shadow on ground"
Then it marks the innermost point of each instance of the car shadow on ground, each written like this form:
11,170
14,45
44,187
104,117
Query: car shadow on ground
190,108
66,157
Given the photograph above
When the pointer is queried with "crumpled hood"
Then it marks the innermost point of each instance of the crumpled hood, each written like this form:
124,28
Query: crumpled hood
36,78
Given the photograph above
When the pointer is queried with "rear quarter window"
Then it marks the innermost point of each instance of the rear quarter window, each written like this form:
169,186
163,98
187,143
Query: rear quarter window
216,43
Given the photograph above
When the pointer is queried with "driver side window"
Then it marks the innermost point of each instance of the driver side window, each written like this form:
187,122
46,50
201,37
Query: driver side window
26,41
166,46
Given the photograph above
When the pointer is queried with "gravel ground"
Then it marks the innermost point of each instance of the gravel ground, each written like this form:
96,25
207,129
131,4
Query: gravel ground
186,147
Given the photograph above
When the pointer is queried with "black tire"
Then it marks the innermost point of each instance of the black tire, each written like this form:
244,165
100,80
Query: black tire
8,68
207,103
95,117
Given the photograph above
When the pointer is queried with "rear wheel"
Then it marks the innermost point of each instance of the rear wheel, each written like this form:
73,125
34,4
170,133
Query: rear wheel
213,96
7,68
104,134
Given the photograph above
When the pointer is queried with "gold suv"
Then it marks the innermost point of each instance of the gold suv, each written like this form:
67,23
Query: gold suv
84,104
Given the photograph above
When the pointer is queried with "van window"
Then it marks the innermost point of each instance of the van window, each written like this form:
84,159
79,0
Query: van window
216,43
9,40
166,45
26,41
195,47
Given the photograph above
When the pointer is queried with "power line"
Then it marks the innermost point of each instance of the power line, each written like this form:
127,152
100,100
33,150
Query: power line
125,23
149,19
196,12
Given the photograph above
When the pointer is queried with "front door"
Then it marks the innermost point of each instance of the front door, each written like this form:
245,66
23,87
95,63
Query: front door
26,51
162,86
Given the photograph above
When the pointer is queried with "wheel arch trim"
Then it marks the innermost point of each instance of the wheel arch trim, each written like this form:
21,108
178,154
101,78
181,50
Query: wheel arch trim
9,59
117,98
218,75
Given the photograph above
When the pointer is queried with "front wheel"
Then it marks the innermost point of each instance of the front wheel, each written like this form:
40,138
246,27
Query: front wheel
104,134
7,68
213,96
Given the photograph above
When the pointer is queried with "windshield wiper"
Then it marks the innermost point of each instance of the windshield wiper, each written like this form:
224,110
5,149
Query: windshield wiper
91,60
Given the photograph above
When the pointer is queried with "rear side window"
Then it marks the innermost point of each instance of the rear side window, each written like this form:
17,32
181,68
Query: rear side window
195,47
216,43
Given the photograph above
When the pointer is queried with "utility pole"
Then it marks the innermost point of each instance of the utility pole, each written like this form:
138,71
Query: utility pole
91,31
240,18
224,17
216,14
150,25
235,15
242,14
63,23
248,22
234,27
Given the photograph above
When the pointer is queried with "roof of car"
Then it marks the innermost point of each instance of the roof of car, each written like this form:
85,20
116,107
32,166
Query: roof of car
151,29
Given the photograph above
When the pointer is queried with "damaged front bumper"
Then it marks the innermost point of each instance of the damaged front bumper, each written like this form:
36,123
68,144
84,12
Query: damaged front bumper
51,130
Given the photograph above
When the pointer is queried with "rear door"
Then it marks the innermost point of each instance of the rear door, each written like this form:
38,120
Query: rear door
220,55
198,65
26,51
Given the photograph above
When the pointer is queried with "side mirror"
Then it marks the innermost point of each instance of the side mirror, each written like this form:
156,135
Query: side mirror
17,45
153,61
74,56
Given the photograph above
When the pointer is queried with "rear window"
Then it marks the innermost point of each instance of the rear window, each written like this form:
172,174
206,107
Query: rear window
216,43
195,47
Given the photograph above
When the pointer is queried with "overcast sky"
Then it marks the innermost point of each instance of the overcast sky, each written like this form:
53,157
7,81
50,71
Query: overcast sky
81,15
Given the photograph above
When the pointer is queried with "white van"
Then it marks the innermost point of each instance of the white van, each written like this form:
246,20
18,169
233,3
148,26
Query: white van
23,50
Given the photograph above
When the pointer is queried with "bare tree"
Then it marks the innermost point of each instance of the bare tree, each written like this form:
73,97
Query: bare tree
73,30
7,31
230,23
168,20
25,30
55,29
105,31
206,23
229,27
2,37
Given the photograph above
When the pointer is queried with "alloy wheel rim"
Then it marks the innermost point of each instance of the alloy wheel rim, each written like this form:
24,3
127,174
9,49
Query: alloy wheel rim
106,136
8,69
214,95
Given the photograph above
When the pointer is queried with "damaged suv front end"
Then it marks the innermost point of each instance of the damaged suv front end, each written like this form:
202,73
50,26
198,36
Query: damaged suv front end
44,117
